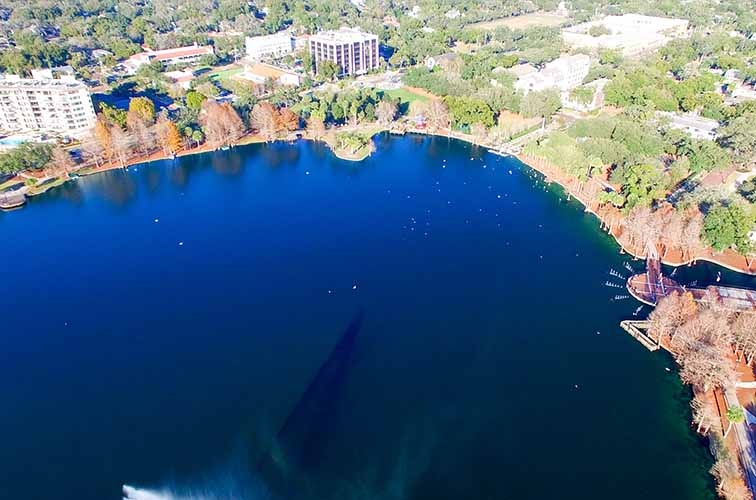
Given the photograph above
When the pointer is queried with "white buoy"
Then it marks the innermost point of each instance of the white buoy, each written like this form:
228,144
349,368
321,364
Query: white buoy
181,243
354,287
157,220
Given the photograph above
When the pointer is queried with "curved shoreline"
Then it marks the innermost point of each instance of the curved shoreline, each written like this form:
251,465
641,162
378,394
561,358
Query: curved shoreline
625,247
524,159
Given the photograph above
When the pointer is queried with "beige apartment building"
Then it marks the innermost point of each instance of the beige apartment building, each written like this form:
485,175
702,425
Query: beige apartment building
58,106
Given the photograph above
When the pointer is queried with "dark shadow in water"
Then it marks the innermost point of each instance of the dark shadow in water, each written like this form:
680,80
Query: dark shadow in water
69,191
302,439
277,154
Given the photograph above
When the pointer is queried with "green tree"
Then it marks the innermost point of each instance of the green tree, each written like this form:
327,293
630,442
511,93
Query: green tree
609,56
740,136
748,190
113,115
598,30
328,70
705,156
542,104
582,95
194,100
143,108
464,111
727,226
735,415
27,156
643,185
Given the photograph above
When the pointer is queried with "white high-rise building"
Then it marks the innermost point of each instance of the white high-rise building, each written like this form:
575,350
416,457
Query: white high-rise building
59,106
269,46
354,52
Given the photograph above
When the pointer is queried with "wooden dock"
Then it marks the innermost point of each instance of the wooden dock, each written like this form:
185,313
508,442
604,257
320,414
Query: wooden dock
638,329
651,286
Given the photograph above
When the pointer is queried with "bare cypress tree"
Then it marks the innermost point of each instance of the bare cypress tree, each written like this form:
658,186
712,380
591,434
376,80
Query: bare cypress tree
385,112
670,314
265,118
123,145
704,413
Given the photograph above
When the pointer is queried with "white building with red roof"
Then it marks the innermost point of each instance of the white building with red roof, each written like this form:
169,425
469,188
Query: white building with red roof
180,55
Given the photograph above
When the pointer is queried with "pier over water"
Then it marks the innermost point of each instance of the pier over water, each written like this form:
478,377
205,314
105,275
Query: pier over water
651,286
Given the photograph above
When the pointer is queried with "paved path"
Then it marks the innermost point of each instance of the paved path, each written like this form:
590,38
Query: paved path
744,440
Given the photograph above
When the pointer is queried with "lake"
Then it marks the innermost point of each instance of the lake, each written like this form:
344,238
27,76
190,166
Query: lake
272,322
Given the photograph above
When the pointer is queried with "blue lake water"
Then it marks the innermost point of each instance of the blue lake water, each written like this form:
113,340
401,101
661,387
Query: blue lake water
272,322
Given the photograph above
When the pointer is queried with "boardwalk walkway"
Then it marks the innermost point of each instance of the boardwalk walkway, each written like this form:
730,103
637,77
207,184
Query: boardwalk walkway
637,329
743,438
652,285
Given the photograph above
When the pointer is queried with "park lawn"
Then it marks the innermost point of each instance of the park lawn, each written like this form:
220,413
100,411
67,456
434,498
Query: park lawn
521,22
405,95
225,74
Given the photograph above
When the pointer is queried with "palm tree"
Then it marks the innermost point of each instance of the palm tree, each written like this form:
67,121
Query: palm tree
735,415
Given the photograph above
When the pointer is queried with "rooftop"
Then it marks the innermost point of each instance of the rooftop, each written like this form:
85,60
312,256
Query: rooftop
343,35
16,82
521,70
180,76
691,120
159,55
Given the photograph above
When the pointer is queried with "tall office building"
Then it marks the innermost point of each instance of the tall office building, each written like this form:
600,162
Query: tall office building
353,51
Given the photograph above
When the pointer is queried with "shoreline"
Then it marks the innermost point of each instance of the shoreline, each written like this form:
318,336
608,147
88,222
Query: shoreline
551,174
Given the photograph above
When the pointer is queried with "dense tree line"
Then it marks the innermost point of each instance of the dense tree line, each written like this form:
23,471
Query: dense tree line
706,340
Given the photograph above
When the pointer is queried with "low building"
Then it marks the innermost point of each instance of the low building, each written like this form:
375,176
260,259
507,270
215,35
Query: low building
181,55
59,106
353,51
260,74
56,73
630,34
101,53
181,78
564,74
732,76
742,92
445,61
522,70
692,124
269,46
